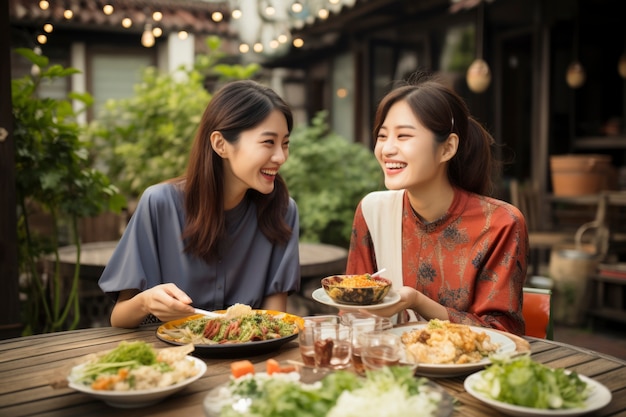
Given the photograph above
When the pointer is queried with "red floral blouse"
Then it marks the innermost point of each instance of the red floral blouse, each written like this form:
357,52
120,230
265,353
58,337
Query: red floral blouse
473,260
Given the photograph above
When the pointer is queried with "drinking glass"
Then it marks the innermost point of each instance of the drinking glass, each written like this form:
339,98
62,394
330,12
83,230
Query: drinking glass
305,336
332,345
362,323
379,349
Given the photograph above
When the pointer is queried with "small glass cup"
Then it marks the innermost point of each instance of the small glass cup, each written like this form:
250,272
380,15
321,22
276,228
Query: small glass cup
332,345
362,323
305,336
379,349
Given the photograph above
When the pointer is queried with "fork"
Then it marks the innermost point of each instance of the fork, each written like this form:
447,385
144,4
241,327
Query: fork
209,313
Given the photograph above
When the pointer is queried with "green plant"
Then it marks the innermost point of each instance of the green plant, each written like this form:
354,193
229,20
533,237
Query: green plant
54,174
327,176
145,139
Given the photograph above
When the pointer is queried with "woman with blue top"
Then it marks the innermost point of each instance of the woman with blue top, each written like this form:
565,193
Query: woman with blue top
226,232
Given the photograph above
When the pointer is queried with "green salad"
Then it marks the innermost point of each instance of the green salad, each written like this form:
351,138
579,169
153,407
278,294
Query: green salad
390,391
524,382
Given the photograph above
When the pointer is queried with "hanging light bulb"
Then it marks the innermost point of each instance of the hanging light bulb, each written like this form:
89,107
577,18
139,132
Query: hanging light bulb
217,16
107,9
127,22
147,38
478,76
48,28
157,32
44,5
157,16
575,75
297,7
621,66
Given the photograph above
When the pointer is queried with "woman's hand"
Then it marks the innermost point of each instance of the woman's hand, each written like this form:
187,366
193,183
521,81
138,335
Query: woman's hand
412,299
408,296
167,302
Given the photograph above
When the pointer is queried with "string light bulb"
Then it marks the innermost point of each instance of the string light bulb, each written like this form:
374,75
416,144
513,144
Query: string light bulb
147,37
44,5
108,9
217,16
48,28
127,22
297,7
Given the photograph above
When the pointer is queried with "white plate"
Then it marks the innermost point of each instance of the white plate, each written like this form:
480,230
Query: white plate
135,399
599,397
320,296
449,370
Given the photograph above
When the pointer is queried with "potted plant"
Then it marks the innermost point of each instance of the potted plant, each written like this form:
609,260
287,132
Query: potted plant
54,175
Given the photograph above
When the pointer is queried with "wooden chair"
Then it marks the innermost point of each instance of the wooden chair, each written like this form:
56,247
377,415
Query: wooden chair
541,241
537,312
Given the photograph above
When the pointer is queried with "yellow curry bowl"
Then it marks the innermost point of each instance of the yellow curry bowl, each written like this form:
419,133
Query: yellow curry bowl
356,289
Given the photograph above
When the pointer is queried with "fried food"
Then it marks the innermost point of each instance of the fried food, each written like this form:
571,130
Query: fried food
442,342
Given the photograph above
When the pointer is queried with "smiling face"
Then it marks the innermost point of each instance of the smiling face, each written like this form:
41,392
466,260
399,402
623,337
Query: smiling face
253,161
408,153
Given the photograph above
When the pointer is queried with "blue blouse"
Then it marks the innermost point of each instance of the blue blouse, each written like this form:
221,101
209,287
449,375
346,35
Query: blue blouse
249,268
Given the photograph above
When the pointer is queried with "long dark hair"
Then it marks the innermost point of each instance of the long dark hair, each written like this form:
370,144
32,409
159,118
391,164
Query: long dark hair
238,106
443,111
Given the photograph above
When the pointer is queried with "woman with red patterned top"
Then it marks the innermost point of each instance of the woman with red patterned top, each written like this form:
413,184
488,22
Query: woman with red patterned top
452,252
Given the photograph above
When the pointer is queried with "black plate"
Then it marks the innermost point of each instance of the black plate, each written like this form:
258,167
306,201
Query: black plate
233,350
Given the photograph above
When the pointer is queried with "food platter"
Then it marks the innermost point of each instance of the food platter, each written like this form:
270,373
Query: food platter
320,296
137,398
599,397
232,350
221,396
507,345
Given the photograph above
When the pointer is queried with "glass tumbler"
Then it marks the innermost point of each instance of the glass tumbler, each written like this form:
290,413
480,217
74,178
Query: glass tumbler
332,345
379,349
305,336
362,323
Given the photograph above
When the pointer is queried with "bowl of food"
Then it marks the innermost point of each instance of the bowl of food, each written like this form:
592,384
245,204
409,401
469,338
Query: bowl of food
356,289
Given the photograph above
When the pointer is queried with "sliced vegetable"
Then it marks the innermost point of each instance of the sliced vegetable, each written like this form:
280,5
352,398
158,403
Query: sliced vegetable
241,368
273,366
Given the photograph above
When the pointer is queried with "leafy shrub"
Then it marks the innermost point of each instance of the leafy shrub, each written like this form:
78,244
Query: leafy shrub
53,174
327,176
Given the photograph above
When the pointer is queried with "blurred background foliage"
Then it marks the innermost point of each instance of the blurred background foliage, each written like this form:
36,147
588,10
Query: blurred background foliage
327,175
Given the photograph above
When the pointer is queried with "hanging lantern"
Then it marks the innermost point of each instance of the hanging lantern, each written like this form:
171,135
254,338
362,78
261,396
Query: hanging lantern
621,66
575,75
478,76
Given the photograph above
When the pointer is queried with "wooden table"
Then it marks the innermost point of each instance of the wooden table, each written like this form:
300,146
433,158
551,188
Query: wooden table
29,365
316,259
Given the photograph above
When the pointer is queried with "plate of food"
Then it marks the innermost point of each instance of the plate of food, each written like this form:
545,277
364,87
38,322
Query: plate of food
134,374
321,296
538,390
252,333
387,391
444,349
